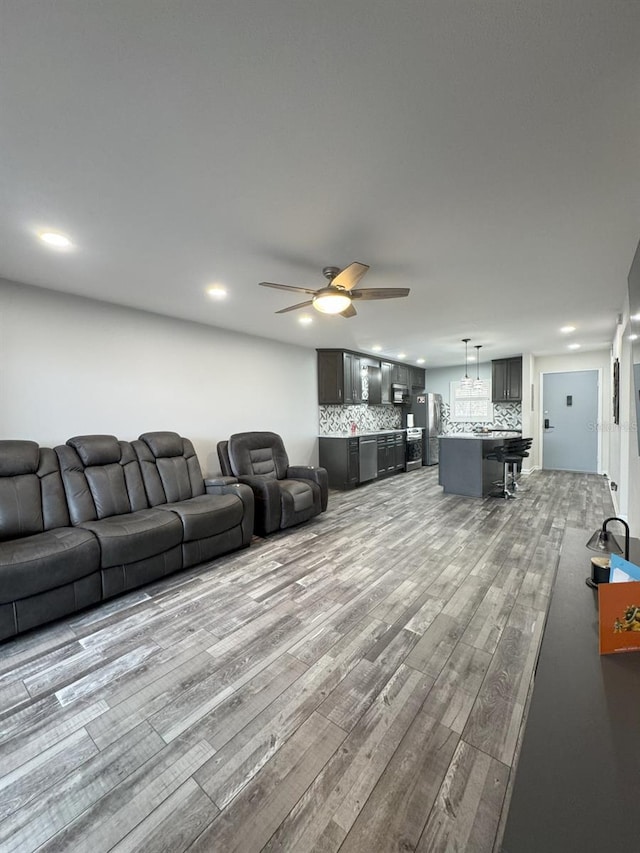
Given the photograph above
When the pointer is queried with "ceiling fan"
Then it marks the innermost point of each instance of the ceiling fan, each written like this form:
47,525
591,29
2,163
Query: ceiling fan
337,297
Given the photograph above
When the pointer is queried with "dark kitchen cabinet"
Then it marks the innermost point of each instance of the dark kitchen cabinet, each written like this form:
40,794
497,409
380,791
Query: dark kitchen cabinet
417,379
339,378
399,451
383,456
351,460
506,380
391,453
400,374
380,384
341,458
385,383
352,379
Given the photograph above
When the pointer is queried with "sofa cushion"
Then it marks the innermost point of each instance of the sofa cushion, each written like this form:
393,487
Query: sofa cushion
20,507
207,515
163,444
258,453
300,494
96,449
18,457
135,536
170,467
46,561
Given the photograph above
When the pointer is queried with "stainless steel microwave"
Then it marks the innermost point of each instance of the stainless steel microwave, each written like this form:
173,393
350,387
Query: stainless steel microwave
399,393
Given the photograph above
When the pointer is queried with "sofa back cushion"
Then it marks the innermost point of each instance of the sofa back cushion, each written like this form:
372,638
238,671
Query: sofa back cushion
170,467
101,477
20,502
258,454
31,493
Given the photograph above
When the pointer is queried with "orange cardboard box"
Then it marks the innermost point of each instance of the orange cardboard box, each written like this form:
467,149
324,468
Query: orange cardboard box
619,617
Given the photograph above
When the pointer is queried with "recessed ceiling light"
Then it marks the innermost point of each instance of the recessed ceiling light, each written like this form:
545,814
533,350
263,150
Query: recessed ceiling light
420,361
566,330
376,348
216,291
633,337
55,240
305,320
635,317
574,346
402,355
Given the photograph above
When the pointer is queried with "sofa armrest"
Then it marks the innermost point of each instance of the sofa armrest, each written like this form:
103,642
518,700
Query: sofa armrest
318,475
219,481
231,486
267,496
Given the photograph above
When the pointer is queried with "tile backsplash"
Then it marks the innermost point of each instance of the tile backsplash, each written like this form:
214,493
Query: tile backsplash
339,418
505,416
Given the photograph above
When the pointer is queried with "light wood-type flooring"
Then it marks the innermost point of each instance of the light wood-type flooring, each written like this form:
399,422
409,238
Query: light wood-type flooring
357,684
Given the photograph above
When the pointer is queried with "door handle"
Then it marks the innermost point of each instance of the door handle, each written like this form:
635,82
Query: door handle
546,424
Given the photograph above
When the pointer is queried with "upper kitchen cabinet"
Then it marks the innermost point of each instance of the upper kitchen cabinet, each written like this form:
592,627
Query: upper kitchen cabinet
400,374
417,378
339,378
380,385
506,380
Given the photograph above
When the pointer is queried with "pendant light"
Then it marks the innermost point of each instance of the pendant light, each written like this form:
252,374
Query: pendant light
466,384
478,384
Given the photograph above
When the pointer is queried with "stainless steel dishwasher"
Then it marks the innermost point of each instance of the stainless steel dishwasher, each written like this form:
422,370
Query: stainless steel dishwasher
368,458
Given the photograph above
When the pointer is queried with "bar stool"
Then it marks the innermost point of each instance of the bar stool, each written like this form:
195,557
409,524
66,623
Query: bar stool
518,447
510,455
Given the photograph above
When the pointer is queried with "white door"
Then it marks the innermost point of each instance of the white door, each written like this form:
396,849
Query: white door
570,421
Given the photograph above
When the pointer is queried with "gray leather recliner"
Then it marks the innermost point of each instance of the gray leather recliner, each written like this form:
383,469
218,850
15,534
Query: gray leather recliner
216,517
47,567
285,495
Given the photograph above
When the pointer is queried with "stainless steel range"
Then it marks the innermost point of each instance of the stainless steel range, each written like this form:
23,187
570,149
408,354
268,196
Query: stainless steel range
414,448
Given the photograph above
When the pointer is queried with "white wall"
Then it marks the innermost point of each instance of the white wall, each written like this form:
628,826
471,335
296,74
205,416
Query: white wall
74,366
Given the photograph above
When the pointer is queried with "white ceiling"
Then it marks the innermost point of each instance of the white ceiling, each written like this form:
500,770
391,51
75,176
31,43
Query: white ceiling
483,153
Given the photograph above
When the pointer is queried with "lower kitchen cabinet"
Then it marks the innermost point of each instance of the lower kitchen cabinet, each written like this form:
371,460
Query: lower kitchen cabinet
351,460
391,453
341,458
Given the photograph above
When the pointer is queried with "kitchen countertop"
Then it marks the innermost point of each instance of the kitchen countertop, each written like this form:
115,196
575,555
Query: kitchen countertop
484,435
360,433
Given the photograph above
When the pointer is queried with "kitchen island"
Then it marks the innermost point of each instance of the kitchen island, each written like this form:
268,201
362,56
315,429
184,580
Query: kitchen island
464,468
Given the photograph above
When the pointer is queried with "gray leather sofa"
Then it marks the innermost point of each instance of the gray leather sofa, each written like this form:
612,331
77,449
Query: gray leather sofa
96,518
47,567
285,495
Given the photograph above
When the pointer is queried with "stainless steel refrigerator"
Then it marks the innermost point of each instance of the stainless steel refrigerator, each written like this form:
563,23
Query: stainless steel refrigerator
427,413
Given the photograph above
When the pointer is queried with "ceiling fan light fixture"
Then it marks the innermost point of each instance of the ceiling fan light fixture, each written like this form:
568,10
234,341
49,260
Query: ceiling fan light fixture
331,302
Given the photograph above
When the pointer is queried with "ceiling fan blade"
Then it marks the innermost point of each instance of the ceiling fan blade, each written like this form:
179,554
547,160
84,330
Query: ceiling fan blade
285,287
350,275
349,312
380,293
293,307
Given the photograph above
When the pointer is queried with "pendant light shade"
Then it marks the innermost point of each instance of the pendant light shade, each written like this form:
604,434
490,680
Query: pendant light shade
465,383
478,384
